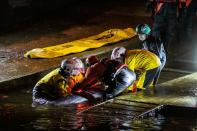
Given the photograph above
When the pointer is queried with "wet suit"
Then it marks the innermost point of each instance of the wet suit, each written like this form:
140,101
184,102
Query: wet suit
112,74
155,45
144,61
55,85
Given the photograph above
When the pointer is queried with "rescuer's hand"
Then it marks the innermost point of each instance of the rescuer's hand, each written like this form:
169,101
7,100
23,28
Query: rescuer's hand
76,89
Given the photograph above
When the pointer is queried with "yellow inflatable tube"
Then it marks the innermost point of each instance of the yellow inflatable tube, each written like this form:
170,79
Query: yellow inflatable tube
107,37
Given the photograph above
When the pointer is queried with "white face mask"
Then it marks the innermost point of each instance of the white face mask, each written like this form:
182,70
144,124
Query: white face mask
142,37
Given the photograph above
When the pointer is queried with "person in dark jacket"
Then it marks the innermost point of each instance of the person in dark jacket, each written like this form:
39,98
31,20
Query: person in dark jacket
152,44
165,19
187,10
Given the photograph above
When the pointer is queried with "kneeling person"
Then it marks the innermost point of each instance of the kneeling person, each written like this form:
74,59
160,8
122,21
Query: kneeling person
59,82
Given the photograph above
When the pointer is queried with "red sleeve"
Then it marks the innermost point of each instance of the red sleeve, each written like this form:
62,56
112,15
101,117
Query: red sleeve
93,73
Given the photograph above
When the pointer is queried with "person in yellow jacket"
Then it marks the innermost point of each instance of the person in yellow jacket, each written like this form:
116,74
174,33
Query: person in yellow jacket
143,61
59,82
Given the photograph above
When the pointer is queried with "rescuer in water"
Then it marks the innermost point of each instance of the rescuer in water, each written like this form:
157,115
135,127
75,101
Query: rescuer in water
59,82
144,62
152,44
111,76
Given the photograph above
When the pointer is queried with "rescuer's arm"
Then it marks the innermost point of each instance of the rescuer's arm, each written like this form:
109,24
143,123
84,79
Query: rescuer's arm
90,76
63,88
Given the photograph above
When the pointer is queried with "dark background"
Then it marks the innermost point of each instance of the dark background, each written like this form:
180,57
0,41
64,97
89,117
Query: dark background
22,13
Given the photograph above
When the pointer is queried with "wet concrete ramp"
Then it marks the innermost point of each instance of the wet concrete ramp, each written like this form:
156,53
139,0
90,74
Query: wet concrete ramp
178,92
118,110
176,95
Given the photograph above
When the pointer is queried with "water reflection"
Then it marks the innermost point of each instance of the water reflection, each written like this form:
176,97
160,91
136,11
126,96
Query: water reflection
16,112
54,117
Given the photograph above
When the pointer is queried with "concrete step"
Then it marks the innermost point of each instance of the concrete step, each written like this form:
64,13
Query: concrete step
27,72
121,110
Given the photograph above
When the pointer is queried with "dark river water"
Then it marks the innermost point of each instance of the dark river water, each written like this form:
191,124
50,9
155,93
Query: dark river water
17,113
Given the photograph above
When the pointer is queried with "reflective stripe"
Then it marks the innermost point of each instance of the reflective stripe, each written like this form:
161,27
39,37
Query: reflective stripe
158,7
187,3
165,1
161,2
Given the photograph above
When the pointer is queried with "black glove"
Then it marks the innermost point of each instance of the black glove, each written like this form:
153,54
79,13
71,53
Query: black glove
109,96
76,88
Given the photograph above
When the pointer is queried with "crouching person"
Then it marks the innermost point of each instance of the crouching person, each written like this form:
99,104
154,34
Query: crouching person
59,82
143,61
113,76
